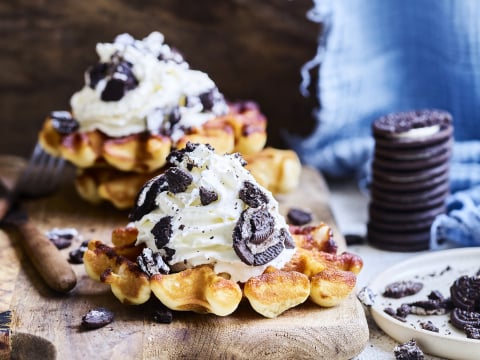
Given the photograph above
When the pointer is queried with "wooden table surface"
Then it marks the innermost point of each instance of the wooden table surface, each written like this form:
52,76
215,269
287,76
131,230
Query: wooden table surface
46,324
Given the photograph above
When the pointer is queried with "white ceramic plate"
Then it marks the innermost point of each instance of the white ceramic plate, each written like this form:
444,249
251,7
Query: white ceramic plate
437,271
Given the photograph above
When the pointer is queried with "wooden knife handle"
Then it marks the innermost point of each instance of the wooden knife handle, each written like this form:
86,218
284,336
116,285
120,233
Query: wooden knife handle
4,206
47,259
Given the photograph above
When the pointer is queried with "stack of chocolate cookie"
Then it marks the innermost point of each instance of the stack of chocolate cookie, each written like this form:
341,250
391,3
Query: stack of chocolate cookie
410,178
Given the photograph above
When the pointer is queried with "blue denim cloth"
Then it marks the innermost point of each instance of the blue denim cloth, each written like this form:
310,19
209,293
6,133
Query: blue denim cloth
378,56
461,225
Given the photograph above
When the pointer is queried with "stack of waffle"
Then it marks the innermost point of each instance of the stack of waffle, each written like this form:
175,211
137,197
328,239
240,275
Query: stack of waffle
142,100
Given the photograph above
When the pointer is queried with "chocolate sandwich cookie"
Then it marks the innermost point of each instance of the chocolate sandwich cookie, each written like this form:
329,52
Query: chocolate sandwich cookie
412,142
414,200
398,216
401,229
414,195
418,225
403,239
392,186
415,176
417,164
412,205
414,153
384,241
412,128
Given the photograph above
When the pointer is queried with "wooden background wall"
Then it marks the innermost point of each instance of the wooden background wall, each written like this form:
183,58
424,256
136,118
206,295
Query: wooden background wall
252,49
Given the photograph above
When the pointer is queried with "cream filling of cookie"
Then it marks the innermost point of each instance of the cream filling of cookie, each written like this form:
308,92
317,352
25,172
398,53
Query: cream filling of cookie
203,234
162,85
418,133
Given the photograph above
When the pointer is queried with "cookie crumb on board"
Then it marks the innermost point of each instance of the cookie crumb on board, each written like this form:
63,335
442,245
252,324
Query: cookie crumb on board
408,351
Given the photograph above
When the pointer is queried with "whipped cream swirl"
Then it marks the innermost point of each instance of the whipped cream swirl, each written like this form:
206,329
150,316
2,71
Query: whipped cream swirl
192,214
144,85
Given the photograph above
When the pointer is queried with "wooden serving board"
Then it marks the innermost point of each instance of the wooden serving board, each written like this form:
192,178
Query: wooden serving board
47,325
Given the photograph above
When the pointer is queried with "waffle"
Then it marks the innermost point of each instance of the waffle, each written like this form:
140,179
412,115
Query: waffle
114,169
242,129
316,272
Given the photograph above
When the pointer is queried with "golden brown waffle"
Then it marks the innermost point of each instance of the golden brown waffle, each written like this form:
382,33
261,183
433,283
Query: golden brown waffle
316,271
275,169
114,169
98,184
242,129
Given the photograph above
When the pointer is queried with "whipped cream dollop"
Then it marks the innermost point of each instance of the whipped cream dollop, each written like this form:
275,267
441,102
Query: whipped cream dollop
208,209
144,85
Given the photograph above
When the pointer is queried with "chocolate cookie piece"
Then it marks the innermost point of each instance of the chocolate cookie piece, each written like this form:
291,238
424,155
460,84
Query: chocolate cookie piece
262,226
429,307
210,98
435,304
178,179
162,231
429,326
255,240
465,293
207,196
268,255
252,195
462,318
472,332
119,78
177,156
152,263
287,239
145,201
391,311
408,351
97,318
76,256
253,234
404,310
63,122
62,238
401,289
162,314
298,216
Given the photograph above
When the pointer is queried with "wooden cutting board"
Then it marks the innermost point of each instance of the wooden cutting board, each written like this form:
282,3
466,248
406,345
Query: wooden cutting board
45,324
